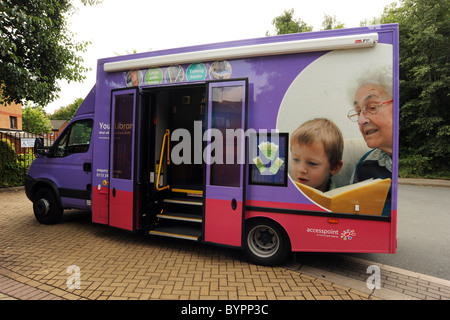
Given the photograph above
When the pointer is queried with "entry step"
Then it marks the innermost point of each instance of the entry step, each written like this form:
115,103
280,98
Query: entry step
178,231
191,192
179,216
192,202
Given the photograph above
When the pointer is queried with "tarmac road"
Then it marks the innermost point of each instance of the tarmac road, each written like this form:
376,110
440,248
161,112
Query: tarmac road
423,234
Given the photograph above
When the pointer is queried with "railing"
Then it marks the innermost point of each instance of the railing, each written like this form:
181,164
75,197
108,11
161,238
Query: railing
166,137
16,155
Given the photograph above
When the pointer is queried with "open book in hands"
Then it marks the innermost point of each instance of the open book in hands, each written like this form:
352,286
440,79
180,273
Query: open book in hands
366,197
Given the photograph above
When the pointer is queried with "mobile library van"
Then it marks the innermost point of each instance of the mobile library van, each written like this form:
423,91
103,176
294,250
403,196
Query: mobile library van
203,143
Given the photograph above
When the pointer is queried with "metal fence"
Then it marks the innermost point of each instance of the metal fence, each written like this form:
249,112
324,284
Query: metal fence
16,155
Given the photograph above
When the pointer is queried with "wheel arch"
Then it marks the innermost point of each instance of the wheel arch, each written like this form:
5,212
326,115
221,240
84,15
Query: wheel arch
261,250
270,220
40,183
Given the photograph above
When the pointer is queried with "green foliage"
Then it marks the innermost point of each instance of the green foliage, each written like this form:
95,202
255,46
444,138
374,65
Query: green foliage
286,23
35,121
12,168
330,22
26,158
67,112
370,22
414,166
37,49
7,151
424,27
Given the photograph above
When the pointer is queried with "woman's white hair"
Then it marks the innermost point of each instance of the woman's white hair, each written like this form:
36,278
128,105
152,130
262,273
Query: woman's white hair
381,77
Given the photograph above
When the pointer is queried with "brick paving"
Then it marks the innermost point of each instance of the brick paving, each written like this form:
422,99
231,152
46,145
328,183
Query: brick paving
119,265
395,283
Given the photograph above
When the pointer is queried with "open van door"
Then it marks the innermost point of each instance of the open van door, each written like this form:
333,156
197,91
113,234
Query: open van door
225,162
122,157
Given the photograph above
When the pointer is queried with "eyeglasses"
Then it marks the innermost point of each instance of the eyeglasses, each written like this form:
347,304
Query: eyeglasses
369,109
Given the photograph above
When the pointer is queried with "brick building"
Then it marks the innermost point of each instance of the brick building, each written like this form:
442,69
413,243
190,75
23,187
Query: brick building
11,117
58,126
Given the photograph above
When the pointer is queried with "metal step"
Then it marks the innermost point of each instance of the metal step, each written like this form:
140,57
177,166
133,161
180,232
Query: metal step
188,192
179,216
178,231
193,202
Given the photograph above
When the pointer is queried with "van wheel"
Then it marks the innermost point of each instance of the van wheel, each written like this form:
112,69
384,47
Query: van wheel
45,207
266,242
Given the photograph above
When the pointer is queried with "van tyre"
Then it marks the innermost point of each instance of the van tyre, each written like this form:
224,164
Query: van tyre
266,242
46,208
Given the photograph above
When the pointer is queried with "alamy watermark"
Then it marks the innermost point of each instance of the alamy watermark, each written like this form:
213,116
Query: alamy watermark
74,280
226,145
374,280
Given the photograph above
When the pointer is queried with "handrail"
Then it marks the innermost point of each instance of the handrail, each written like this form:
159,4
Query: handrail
167,134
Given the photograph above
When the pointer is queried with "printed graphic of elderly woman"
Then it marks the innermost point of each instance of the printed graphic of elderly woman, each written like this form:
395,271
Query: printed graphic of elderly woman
373,111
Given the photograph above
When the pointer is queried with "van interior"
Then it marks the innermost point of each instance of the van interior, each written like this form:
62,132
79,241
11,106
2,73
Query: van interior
170,196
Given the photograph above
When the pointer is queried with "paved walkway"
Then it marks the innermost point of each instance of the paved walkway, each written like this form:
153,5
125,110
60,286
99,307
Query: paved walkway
425,182
113,264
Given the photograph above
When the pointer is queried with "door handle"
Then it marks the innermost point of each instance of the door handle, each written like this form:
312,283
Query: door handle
233,204
114,192
87,167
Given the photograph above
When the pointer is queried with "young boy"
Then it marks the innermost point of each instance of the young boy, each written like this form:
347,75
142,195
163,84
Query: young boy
316,150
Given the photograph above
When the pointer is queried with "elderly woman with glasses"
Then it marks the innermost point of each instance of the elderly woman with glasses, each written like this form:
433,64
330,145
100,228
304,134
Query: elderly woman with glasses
373,111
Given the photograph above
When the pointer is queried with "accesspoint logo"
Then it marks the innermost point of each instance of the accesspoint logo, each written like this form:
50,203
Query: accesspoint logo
348,234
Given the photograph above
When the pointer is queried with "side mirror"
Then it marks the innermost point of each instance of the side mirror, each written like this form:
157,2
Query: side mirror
39,146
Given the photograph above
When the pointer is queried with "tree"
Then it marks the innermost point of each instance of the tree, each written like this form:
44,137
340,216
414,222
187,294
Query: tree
37,49
370,22
424,29
330,22
34,120
67,112
286,23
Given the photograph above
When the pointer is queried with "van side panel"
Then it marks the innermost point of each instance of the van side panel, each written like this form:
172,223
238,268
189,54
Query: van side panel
318,234
100,205
284,91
